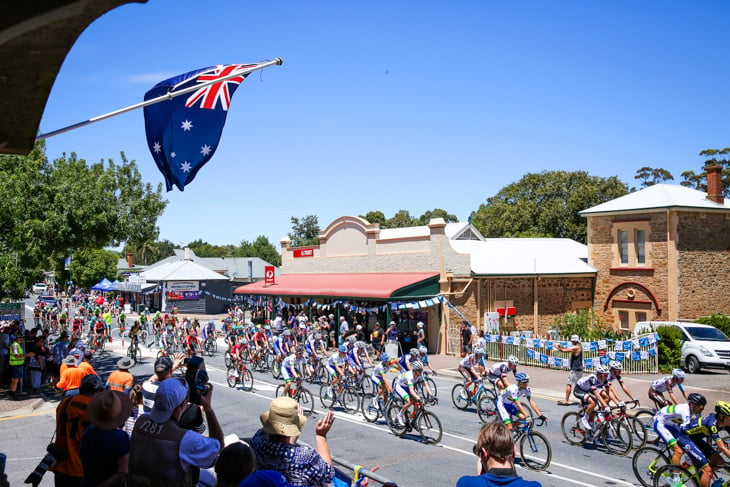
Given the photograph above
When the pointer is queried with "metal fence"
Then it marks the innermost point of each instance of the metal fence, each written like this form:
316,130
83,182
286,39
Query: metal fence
359,474
638,355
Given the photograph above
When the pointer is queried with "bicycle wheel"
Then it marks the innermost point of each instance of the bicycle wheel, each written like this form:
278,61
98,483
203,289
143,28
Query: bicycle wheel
279,391
459,396
572,429
327,396
209,349
246,379
392,418
670,475
645,417
432,386
232,376
306,400
143,337
370,408
638,432
617,438
367,386
350,401
486,408
162,353
421,391
429,427
646,462
535,451
226,359
323,375
276,370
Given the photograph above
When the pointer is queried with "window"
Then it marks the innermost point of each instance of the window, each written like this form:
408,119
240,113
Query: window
623,318
631,247
627,316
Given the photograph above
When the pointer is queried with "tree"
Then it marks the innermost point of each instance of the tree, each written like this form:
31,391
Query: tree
650,176
436,213
305,231
545,205
89,266
261,248
711,157
204,249
401,219
375,217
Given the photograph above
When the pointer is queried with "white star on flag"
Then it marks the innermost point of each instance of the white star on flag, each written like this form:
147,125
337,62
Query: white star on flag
205,150
172,154
186,125
185,166
156,147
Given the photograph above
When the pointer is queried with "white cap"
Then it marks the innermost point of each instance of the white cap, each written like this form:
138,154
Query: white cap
419,324
574,338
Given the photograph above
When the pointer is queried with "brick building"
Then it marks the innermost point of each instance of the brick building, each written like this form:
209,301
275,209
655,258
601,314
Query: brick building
662,253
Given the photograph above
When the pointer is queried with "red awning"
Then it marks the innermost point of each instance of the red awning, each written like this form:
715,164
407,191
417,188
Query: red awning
380,285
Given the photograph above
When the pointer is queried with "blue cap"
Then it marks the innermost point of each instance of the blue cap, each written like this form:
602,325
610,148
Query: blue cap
264,478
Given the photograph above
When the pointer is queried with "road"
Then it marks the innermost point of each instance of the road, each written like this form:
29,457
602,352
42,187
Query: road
406,460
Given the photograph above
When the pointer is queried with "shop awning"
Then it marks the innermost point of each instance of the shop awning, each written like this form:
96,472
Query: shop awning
376,286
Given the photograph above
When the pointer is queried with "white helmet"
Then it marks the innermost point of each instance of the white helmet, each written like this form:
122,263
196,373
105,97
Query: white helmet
423,350
416,365
479,351
513,360
419,324
678,374
602,369
615,364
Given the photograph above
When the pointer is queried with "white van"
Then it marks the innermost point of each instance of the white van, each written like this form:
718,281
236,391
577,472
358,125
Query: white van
703,346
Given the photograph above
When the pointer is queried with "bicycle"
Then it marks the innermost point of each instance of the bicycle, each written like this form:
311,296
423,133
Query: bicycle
163,352
373,407
647,460
345,394
462,397
425,422
134,352
534,447
671,475
210,346
299,394
613,435
240,375
487,408
636,428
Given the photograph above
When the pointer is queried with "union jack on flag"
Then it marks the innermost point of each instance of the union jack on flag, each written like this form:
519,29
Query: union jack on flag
183,132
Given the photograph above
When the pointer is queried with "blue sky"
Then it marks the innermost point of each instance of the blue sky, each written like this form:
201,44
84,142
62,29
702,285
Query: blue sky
390,105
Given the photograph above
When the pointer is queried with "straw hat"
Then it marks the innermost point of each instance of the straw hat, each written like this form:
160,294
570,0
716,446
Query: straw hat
283,418
109,410
69,360
125,363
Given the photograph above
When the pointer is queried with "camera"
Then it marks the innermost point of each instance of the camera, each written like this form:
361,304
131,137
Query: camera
46,462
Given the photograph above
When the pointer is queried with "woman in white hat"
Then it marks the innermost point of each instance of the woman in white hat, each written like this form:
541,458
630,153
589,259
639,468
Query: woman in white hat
276,448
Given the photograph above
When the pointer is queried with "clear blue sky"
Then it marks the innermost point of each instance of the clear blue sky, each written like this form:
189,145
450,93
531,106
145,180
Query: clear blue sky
385,105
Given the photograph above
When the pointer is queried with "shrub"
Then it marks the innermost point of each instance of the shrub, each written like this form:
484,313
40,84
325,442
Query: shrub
669,347
719,321
588,326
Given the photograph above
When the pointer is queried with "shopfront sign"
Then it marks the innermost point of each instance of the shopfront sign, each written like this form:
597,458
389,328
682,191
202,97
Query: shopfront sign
183,290
305,252
269,274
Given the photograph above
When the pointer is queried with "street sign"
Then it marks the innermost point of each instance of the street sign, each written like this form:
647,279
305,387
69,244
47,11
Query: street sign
269,275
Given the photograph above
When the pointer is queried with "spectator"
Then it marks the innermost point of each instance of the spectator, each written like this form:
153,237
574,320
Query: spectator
136,397
344,328
104,449
72,418
466,338
235,463
420,335
392,333
376,338
121,380
276,448
161,452
71,377
576,366
495,465
164,367
4,356
37,363
17,362
60,351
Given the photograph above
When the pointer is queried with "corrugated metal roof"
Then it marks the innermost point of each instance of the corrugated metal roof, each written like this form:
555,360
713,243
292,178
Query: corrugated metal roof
182,270
655,197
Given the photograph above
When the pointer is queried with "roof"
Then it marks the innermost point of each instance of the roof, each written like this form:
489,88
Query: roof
525,256
181,270
235,268
35,38
377,285
655,197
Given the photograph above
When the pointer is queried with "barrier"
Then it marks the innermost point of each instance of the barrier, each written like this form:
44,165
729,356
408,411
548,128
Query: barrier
360,475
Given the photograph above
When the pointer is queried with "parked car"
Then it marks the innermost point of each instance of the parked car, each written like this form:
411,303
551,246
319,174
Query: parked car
40,288
50,301
703,346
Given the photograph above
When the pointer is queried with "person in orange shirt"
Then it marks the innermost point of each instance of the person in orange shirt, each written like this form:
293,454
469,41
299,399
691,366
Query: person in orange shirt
121,380
71,377
65,363
85,363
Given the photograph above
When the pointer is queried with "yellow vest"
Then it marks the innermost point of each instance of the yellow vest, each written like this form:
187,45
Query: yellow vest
16,349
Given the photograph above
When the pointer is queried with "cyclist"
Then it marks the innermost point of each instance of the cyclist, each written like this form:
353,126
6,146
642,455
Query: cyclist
669,422
423,352
261,344
508,401
191,344
378,377
666,384
587,389
404,361
353,356
99,331
614,374
404,387
705,432
291,368
282,346
498,372
208,330
134,332
469,363
314,348
336,364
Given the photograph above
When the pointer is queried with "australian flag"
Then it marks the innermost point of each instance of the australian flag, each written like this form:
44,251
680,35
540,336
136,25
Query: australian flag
183,132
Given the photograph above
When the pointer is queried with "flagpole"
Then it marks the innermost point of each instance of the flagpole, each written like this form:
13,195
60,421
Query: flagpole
152,101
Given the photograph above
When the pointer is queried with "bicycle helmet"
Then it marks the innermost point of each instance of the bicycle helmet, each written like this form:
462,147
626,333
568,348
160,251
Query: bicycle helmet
723,408
287,333
413,351
342,348
384,357
678,374
602,369
423,350
416,365
479,351
615,365
360,344
513,360
317,336
299,350
522,377
696,399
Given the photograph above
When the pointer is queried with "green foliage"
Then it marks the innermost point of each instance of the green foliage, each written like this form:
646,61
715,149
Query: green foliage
402,219
720,321
90,266
261,248
650,176
587,325
545,205
375,217
710,157
204,249
305,231
436,213
669,347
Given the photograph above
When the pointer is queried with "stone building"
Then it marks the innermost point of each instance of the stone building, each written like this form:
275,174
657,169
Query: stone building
661,253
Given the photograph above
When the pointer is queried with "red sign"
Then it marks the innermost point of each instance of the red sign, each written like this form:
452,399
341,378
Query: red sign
269,276
309,252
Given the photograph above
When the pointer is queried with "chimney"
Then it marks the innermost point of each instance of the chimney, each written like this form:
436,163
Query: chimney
714,184
186,253
130,259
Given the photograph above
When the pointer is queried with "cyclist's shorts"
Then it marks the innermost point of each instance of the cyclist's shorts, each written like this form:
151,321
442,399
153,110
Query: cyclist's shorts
506,411
403,392
287,374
